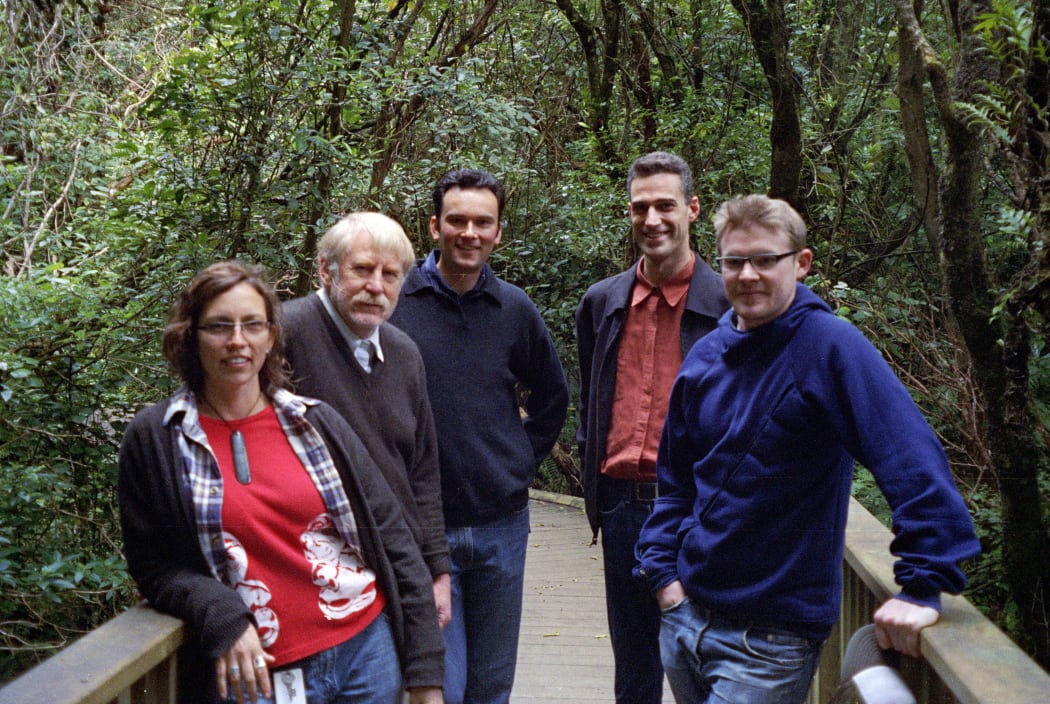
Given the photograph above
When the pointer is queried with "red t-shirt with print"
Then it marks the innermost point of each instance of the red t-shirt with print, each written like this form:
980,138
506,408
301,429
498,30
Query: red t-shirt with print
306,587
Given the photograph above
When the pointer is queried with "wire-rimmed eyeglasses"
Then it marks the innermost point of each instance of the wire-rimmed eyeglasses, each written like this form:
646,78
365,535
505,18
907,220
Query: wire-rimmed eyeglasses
760,262
224,330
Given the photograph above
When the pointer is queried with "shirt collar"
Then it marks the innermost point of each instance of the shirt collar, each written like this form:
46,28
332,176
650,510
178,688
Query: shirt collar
344,329
184,402
434,278
673,290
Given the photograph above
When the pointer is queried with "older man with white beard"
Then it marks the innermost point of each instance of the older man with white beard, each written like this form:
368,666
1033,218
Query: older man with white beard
342,351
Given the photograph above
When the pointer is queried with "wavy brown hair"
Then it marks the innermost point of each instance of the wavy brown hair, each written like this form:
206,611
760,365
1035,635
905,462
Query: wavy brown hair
180,344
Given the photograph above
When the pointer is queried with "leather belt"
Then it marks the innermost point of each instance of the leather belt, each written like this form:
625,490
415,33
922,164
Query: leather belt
643,491
612,491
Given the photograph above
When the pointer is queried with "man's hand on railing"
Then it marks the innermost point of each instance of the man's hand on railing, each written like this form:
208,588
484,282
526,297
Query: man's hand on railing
244,668
898,623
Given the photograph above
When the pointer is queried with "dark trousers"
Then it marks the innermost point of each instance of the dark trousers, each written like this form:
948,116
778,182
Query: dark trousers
634,618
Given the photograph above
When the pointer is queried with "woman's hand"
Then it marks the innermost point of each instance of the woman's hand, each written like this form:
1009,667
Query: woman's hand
244,668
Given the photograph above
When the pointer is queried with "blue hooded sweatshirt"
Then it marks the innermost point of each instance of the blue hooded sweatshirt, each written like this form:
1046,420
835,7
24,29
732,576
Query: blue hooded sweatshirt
755,465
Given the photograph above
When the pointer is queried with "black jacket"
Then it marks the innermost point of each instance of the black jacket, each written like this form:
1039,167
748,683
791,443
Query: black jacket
599,321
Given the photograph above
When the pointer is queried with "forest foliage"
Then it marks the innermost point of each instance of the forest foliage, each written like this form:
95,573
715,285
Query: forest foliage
141,141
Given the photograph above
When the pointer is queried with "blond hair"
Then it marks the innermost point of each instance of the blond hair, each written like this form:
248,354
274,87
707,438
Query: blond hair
761,210
385,232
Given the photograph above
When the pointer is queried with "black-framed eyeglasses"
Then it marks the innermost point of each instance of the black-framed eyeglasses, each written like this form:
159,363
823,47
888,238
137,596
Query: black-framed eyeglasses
760,262
225,330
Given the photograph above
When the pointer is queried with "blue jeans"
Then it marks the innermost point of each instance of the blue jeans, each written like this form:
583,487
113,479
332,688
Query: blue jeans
481,641
709,658
634,617
362,670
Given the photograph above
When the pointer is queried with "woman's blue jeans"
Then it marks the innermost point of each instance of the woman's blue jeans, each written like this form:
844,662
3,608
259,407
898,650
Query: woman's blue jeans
362,670
708,658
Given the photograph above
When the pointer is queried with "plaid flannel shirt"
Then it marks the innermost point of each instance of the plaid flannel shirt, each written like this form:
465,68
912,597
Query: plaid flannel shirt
201,477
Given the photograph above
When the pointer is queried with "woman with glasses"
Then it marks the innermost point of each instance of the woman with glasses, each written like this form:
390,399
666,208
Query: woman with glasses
258,518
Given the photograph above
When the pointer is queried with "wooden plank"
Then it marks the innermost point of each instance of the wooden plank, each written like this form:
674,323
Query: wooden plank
564,654
102,664
973,658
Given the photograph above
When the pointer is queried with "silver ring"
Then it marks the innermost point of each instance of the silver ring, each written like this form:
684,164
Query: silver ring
259,661
235,670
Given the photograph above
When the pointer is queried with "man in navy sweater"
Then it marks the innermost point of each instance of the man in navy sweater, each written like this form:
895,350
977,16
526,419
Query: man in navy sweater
767,416
484,346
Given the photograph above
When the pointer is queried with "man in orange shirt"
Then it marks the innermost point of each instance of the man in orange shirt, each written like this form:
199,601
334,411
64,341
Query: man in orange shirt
633,331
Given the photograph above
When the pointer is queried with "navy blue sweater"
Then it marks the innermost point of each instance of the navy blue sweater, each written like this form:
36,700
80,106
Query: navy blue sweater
755,465
481,351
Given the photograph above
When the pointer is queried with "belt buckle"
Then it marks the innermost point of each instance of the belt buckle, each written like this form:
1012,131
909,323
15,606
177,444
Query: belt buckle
645,491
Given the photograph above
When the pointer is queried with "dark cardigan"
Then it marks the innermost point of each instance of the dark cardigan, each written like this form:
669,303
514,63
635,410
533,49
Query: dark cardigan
165,558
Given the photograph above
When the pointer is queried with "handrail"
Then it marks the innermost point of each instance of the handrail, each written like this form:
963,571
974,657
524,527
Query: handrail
134,657
130,658
966,658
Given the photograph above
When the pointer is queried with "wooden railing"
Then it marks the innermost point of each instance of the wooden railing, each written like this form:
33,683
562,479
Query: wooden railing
133,658
966,659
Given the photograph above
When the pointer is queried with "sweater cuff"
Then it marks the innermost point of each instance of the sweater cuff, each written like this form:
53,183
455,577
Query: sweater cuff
220,638
656,581
439,564
919,598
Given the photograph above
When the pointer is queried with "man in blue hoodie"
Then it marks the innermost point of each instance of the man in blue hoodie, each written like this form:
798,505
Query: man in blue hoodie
767,416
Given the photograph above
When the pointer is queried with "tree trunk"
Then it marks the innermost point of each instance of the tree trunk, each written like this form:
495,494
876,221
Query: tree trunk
767,27
601,52
332,127
999,346
924,175
396,117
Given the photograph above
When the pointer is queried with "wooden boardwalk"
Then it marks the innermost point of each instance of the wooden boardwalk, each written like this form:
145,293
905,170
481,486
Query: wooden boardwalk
564,655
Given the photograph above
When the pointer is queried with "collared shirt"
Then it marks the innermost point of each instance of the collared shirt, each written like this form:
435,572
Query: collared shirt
204,481
432,276
351,339
646,365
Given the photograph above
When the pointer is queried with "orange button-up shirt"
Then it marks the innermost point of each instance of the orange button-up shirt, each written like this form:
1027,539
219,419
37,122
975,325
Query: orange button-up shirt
646,365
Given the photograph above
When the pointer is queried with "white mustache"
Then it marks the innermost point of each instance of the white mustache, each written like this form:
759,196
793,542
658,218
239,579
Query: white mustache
369,299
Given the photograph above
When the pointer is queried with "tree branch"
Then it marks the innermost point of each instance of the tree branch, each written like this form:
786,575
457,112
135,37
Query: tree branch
52,211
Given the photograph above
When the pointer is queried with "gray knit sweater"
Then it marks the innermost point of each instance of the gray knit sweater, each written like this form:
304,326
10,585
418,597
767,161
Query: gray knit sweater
388,409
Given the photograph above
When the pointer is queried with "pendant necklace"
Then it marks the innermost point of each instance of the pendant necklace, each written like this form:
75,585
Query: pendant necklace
240,452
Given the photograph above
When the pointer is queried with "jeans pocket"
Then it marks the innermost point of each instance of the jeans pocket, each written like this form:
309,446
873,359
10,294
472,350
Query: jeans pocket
677,606
778,645
604,512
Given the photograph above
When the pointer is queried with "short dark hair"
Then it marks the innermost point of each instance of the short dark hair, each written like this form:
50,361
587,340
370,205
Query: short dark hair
180,344
468,178
662,163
